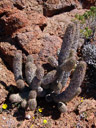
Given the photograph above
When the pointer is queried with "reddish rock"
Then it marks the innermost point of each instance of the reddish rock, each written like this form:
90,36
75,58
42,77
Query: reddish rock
86,105
36,18
50,47
57,24
8,51
6,79
28,5
52,7
88,3
26,27
42,47
5,5
13,20
31,41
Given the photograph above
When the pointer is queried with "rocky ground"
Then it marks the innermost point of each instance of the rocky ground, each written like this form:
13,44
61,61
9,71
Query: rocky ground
37,27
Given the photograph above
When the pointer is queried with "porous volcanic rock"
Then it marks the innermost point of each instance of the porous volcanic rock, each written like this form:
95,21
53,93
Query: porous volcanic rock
32,41
8,51
11,19
42,47
6,79
30,31
86,105
57,24
52,7
28,5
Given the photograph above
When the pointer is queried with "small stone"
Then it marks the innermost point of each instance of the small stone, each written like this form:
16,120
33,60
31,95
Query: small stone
62,107
28,117
4,118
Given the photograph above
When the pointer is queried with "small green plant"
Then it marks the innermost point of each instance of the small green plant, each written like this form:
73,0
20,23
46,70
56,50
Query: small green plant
18,105
80,18
87,19
83,116
87,14
87,32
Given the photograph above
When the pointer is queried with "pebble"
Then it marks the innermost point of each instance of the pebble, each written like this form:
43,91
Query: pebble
4,118
28,117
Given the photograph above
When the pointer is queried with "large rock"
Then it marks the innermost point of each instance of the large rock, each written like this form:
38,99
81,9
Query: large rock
6,79
13,19
25,32
52,7
28,5
41,47
31,31
8,51
36,18
57,24
32,41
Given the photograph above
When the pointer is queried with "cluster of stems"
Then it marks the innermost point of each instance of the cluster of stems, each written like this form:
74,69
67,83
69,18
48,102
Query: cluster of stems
50,85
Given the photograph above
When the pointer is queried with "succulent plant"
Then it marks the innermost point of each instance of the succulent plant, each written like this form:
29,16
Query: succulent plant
74,86
17,65
50,85
27,95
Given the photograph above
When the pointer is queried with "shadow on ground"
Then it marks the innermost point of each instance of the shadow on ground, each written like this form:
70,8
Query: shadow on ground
49,109
89,84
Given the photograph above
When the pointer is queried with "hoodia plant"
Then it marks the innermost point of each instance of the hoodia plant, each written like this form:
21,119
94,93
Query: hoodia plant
50,85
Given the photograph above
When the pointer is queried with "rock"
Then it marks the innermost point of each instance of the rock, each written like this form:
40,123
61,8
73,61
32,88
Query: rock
36,18
90,117
57,24
8,52
87,104
30,31
50,44
12,19
28,5
44,47
62,107
32,42
5,81
29,42
4,118
3,94
52,7
88,3
28,117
